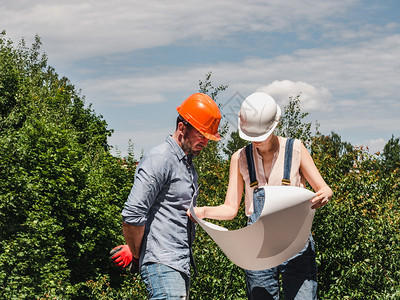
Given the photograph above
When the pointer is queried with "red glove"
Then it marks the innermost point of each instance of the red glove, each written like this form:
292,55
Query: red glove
122,257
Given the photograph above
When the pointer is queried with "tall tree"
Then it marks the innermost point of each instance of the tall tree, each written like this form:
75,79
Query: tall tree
211,154
391,155
60,189
292,122
234,143
206,87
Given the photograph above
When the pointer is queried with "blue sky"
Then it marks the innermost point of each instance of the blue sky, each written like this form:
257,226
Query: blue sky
135,61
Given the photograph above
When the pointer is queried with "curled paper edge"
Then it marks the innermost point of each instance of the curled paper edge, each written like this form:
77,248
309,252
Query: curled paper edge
280,233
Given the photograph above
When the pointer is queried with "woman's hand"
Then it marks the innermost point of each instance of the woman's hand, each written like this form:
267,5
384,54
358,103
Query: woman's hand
199,211
322,198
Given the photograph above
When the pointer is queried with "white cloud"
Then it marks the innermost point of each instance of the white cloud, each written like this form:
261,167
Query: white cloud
122,91
360,75
311,98
143,87
359,81
344,33
75,29
376,145
346,64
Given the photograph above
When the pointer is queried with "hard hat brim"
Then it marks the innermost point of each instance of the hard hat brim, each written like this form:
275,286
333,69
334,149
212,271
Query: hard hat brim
214,137
256,138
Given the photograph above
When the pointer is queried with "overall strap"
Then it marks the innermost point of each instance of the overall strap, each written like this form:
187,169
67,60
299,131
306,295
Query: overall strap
288,161
250,165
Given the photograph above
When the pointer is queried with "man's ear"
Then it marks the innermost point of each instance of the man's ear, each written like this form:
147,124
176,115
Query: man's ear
181,128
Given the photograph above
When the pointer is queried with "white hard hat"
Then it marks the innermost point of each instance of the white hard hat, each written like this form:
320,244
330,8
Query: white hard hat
258,117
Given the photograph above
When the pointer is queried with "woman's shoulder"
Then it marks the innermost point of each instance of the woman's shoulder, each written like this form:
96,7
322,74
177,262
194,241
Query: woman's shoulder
237,154
297,143
239,157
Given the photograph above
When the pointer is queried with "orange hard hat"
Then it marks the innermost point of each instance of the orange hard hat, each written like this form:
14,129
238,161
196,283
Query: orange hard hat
203,114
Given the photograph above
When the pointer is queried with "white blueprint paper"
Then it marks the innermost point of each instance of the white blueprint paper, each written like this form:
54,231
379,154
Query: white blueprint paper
281,231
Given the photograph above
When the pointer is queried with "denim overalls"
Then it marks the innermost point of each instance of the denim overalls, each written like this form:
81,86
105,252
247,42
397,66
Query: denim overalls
299,273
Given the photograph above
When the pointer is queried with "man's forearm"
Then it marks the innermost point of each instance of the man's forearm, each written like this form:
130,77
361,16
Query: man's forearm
133,237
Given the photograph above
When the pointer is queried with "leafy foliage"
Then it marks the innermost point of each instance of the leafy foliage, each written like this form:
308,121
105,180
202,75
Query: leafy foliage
213,169
292,122
357,234
60,189
391,155
234,143
61,195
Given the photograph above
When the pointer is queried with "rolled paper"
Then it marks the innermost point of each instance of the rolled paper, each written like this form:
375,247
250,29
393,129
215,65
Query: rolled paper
281,231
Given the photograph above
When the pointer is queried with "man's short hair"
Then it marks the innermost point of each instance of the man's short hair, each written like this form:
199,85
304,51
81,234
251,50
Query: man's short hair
180,119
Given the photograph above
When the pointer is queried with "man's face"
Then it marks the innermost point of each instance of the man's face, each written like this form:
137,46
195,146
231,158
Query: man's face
193,141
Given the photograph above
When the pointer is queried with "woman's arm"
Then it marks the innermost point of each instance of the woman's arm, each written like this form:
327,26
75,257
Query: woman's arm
230,208
314,178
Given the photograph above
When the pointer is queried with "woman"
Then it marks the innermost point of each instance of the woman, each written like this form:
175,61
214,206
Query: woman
258,117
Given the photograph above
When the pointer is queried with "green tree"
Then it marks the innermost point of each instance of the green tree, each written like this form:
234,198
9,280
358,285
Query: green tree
292,122
206,87
211,155
61,195
234,143
357,233
330,150
60,189
391,155
213,169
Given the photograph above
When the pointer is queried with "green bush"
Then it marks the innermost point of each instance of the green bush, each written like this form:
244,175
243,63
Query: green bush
61,192
357,234
61,196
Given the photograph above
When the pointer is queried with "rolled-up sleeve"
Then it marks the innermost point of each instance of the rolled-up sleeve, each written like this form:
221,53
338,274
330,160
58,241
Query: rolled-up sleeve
150,177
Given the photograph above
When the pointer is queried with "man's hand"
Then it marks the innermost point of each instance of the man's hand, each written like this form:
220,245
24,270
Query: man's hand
122,257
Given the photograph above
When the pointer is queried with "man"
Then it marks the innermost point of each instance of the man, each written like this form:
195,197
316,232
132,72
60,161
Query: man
156,227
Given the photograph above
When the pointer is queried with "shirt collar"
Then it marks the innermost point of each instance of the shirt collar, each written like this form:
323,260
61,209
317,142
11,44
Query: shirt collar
177,149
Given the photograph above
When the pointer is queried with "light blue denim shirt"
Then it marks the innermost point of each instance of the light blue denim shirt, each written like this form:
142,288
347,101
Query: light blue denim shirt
165,182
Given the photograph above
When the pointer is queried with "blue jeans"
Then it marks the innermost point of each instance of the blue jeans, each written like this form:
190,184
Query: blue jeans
163,282
299,273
